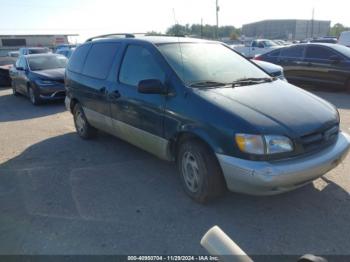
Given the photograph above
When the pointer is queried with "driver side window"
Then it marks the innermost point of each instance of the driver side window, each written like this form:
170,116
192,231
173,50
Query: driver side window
139,64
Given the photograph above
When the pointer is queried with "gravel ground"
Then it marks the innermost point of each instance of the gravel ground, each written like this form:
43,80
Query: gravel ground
62,195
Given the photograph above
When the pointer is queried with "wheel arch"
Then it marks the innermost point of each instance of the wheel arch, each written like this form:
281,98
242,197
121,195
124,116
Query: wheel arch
189,134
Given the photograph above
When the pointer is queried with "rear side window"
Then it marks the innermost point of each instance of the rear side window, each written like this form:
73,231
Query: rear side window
77,60
293,52
139,64
318,52
100,59
275,53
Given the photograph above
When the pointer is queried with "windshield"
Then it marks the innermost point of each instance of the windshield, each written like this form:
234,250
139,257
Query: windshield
269,43
37,63
197,62
38,51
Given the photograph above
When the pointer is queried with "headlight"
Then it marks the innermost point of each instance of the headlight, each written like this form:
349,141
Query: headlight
263,144
42,82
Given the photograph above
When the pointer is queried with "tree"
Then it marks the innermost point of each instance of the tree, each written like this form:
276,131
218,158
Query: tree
203,31
337,29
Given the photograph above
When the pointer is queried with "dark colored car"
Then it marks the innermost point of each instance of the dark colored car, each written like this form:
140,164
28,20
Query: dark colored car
317,64
40,77
223,120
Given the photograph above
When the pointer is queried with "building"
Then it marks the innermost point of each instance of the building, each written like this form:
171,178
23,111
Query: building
287,29
14,42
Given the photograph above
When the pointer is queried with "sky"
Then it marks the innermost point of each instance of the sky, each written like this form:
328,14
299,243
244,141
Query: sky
92,17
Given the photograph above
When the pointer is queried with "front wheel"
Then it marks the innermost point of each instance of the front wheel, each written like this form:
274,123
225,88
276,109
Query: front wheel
84,129
200,171
14,90
33,97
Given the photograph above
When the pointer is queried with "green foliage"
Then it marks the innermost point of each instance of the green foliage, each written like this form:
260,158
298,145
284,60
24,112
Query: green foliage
205,31
337,29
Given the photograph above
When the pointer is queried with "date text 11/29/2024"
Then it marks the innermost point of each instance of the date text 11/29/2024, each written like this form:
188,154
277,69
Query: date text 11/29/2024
173,258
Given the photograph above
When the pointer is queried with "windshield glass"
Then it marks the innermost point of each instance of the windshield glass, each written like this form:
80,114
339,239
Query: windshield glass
38,51
196,62
37,63
269,43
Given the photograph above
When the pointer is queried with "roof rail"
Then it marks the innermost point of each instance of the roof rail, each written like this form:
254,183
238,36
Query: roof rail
117,35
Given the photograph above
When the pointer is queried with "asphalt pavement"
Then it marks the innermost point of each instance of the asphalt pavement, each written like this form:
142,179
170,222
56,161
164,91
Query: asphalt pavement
60,194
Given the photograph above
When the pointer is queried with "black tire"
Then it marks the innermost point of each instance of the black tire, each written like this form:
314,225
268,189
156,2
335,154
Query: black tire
208,181
33,96
14,90
347,86
83,128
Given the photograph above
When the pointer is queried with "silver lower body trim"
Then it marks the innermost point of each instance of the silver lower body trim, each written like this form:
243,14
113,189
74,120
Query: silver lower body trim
149,142
269,178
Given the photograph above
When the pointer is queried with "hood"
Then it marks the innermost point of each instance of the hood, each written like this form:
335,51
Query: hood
268,67
276,108
55,74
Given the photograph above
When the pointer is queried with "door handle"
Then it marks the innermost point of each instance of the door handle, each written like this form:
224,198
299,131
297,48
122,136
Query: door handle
115,95
102,90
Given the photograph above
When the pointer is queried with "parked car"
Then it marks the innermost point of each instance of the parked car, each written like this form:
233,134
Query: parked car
344,39
13,54
223,120
317,64
33,50
329,40
257,47
6,63
67,52
271,69
40,77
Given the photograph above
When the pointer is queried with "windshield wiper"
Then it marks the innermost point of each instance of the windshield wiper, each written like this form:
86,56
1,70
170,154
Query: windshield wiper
252,81
207,83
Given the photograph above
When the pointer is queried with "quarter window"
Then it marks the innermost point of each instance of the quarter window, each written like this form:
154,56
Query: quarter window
318,52
139,64
100,59
77,61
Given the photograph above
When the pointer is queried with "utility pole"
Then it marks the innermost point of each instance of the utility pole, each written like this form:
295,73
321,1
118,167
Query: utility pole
217,19
201,27
312,22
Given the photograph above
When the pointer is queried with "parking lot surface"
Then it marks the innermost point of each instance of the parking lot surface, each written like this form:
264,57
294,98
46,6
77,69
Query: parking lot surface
60,194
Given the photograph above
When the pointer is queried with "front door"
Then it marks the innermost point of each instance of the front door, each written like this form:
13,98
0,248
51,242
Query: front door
138,118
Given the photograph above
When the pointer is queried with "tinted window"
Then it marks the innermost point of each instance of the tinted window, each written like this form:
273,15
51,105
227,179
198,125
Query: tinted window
139,64
38,51
275,53
100,59
37,63
77,61
198,62
294,52
319,52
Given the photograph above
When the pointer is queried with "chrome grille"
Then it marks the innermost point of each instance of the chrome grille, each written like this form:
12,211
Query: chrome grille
320,139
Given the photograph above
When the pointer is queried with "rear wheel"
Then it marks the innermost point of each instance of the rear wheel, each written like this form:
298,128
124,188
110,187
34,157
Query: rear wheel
33,97
347,86
84,129
200,171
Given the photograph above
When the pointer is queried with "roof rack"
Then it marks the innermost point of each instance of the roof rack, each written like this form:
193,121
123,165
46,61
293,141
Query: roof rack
117,35
129,35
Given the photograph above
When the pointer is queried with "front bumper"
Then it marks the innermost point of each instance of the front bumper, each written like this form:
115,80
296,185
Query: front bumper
53,92
269,178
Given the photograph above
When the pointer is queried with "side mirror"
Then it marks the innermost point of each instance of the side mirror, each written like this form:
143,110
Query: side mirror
151,86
